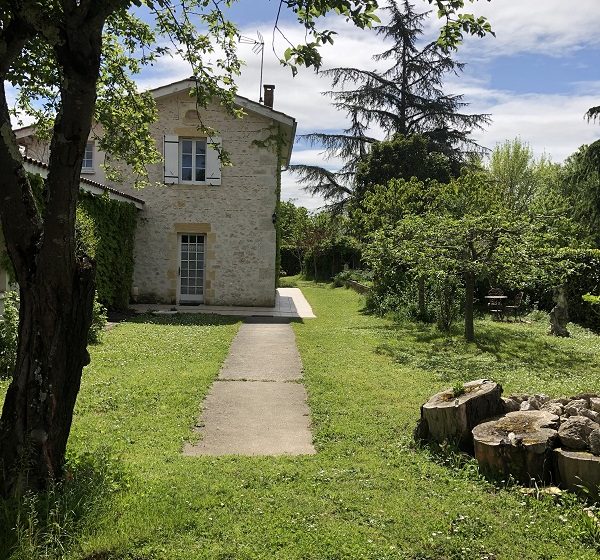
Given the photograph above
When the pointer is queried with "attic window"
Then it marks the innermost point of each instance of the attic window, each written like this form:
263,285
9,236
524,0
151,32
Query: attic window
192,160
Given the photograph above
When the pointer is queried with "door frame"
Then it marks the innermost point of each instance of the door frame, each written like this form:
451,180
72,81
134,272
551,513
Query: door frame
197,299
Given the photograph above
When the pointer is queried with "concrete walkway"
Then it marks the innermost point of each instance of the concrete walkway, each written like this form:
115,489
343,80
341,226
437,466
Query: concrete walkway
257,405
289,302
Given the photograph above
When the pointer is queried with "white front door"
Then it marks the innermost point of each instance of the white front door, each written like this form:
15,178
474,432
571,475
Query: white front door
191,268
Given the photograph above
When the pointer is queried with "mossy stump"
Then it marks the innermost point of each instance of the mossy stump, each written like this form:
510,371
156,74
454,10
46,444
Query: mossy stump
517,444
578,471
450,417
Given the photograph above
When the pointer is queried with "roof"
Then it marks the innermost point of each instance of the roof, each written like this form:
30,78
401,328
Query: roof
189,83
36,166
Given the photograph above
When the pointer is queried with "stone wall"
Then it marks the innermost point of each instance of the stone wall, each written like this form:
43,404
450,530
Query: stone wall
235,216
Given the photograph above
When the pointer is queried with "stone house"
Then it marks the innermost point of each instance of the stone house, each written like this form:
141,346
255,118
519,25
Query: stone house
206,232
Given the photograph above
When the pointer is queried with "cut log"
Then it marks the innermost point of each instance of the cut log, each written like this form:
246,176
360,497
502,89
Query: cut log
446,417
578,471
517,444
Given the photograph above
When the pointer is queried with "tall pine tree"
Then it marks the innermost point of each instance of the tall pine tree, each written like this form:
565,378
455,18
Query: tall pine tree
405,99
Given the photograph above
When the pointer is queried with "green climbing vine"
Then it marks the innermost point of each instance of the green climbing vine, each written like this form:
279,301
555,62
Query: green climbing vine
110,224
276,140
105,231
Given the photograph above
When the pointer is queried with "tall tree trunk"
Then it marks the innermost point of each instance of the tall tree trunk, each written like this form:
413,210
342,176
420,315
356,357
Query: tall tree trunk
56,286
469,299
38,409
421,302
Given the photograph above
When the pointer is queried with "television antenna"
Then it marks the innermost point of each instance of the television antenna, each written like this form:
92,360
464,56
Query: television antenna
258,46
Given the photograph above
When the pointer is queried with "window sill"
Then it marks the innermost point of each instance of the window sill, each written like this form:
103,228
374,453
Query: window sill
87,170
195,184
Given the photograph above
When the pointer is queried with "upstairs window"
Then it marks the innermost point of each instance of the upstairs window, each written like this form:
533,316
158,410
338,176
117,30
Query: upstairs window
88,158
192,160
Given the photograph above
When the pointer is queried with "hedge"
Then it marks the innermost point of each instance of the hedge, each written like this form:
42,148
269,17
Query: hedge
104,230
114,229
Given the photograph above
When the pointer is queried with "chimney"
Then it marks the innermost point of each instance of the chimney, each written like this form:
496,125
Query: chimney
269,89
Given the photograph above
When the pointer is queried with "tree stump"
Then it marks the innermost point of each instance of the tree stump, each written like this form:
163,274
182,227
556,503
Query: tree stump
518,444
578,471
446,417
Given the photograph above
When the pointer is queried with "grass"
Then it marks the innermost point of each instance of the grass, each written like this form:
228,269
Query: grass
369,493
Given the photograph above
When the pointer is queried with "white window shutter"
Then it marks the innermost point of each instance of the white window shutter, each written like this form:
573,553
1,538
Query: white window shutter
213,163
171,156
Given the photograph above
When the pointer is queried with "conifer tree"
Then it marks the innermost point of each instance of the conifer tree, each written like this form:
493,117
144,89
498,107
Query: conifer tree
405,99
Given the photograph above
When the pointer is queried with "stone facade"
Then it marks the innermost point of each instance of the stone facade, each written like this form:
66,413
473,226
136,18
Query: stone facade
235,217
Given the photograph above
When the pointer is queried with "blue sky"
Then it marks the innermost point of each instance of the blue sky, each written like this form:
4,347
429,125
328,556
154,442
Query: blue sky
536,78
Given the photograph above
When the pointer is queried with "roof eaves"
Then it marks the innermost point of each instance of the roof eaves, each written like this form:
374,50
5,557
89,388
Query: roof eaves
244,102
42,165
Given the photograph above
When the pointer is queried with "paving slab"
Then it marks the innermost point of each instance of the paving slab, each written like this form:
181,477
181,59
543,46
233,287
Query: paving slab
263,352
289,303
257,405
254,418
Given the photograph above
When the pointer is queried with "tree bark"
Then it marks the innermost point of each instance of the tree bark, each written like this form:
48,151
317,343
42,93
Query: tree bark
559,316
421,300
56,286
469,299
578,471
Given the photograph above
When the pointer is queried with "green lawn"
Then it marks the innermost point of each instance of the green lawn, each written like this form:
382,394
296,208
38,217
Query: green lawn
369,493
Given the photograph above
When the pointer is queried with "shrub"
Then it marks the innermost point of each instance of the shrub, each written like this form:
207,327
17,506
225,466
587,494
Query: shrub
99,319
9,326
448,295
362,276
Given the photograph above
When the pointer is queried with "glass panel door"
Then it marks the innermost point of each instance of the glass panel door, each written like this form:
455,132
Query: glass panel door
191,268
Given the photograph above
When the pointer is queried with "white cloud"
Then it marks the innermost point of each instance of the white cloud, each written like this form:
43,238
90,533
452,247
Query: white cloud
551,123
314,156
292,190
551,27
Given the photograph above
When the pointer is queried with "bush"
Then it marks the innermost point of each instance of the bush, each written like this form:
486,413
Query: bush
9,327
364,277
583,279
99,319
448,292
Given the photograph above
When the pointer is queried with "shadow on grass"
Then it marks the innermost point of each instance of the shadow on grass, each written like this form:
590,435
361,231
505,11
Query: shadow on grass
500,349
45,524
206,319
184,319
530,347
